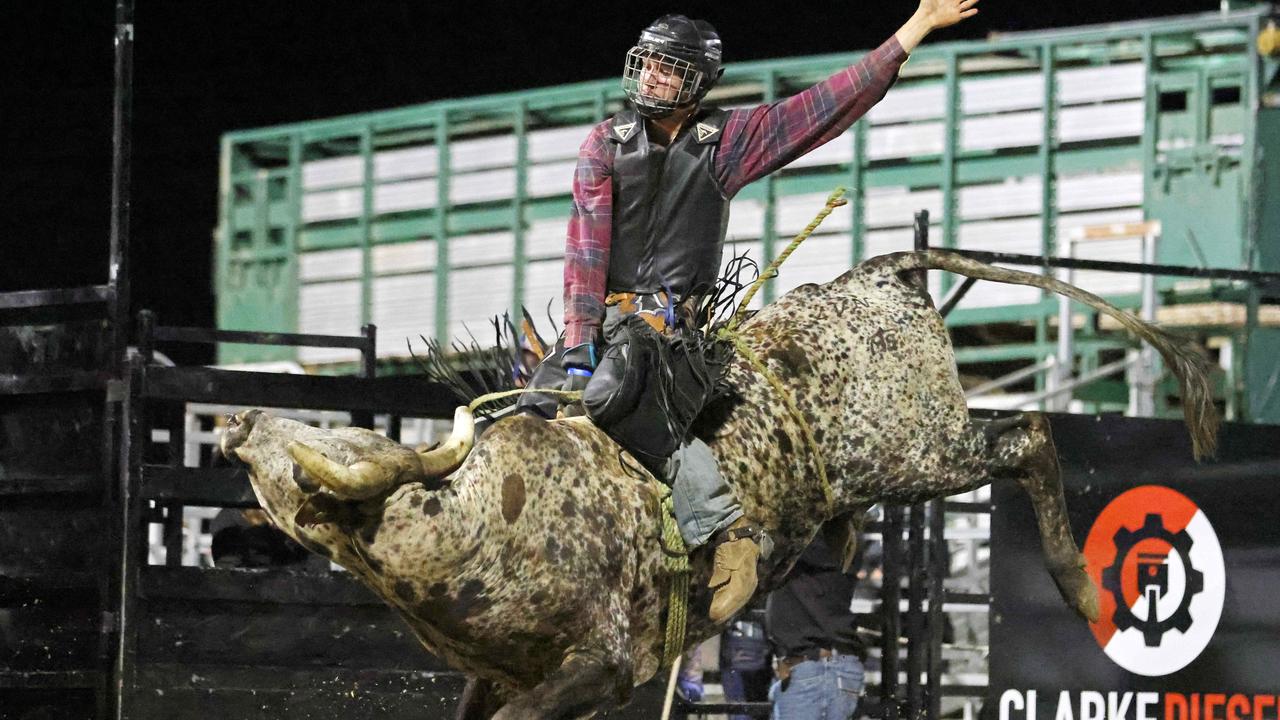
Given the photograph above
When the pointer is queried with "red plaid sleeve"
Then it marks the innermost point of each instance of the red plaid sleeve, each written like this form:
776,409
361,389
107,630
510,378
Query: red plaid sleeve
760,140
586,256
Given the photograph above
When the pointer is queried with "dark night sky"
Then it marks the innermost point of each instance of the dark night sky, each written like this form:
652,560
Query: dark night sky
203,67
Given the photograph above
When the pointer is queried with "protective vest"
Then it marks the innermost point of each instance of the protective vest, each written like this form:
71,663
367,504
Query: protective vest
670,214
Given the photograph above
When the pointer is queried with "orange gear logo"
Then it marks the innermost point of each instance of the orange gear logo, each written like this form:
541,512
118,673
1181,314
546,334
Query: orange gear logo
1157,563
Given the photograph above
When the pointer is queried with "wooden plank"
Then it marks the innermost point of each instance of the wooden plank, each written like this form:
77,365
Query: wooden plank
313,696
410,396
20,589
210,487
254,585
10,678
56,296
51,436
1209,314
254,634
49,644
206,677
1116,231
39,346
34,541
52,703
68,484
180,690
53,383
210,336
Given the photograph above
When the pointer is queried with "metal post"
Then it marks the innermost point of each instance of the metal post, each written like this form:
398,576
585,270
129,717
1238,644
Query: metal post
950,150
915,615
769,233
858,201
443,181
520,129
129,519
921,230
146,335
939,568
1060,374
1142,391
121,182
920,278
890,593
116,407
368,172
369,370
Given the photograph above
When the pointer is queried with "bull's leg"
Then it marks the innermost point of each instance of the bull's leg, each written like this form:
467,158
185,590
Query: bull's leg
584,684
480,700
1025,451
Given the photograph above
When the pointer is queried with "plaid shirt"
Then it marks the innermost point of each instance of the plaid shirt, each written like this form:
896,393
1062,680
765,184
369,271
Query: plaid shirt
754,142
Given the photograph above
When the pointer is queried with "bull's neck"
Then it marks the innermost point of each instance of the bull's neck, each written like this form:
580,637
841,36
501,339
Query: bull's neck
426,530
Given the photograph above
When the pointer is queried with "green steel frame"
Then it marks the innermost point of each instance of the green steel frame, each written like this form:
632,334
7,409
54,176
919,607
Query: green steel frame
261,231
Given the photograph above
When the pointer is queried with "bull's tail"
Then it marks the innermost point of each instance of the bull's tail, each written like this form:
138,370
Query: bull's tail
1182,355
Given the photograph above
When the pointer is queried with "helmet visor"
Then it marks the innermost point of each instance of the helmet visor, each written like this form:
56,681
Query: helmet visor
657,82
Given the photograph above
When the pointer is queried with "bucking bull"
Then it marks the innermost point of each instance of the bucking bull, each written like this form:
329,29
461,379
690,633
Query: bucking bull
534,563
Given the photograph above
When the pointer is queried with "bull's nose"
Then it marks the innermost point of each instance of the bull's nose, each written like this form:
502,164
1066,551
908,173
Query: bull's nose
237,432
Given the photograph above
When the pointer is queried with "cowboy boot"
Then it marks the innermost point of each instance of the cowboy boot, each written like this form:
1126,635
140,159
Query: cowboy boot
734,576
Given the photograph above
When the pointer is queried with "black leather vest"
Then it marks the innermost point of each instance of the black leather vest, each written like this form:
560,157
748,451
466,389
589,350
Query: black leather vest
669,213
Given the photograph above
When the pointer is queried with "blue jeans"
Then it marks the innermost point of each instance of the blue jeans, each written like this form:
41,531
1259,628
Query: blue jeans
825,689
702,501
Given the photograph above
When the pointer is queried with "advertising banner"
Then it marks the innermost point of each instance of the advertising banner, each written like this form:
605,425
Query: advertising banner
1186,560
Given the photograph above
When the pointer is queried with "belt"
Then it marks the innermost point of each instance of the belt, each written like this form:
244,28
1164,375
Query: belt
653,308
787,664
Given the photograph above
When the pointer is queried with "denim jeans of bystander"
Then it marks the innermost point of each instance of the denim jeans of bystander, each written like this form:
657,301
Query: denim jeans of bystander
826,689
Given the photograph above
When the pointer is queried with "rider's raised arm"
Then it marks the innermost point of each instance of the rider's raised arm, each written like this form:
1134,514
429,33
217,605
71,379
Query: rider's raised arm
760,140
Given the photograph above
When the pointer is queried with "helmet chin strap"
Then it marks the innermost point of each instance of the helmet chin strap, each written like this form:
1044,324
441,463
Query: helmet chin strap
653,113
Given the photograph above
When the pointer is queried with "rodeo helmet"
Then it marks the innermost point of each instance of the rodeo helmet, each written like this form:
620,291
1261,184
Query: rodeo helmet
684,53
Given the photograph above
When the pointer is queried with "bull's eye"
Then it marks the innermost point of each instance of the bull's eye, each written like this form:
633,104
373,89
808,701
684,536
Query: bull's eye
232,420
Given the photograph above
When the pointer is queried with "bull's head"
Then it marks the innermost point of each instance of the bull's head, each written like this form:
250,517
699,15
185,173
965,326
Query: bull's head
368,477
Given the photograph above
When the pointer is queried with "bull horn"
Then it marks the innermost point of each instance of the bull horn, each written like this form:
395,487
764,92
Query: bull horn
358,481
443,460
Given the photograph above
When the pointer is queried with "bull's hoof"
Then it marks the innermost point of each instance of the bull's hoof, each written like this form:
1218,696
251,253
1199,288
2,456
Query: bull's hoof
1078,590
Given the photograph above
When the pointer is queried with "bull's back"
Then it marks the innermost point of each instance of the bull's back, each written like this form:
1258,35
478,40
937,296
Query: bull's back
869,363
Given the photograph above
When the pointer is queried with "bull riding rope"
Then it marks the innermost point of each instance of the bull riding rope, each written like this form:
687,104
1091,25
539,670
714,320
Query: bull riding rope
729,333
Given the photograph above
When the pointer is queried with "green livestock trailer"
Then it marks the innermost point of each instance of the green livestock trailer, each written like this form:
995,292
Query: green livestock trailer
428,220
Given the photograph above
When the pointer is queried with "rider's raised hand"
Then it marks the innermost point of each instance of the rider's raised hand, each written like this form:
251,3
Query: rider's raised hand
931,15
945,13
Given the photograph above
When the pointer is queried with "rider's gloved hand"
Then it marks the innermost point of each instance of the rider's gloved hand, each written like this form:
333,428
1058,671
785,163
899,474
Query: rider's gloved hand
579,363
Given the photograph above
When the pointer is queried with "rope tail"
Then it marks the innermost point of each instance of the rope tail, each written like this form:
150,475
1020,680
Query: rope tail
1182,355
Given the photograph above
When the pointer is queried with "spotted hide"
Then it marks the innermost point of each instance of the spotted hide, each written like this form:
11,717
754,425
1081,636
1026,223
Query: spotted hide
536,566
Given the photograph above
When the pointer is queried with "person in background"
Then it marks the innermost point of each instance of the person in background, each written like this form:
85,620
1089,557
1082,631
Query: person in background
813,634
745,667
689,681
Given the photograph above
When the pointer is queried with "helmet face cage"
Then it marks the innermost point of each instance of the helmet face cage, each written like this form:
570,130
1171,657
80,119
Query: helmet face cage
658,83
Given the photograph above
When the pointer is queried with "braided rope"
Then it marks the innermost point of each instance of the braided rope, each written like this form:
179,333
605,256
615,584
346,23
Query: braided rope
834,200
569,395
676,562
730,333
